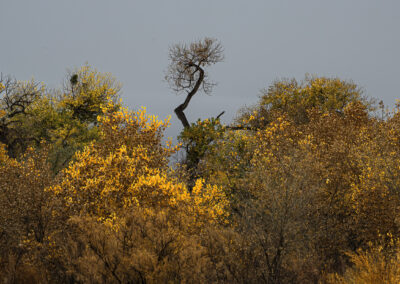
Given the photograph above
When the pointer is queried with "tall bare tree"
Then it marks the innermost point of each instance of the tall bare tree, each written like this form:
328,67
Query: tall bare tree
186,72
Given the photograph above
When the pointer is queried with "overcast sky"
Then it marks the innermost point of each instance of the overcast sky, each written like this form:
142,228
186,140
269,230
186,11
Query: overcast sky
264,40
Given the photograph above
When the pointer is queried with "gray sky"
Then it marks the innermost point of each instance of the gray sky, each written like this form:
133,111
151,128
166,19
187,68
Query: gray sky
263,40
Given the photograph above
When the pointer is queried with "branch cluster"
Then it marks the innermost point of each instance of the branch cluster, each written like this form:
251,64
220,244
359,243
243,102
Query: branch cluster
16,96
187,63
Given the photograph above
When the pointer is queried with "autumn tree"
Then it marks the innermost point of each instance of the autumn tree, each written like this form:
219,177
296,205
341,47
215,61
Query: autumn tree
295,173
376,196
86,90
131,220
77,106
65,118
29,218
187,74
16,102
295,99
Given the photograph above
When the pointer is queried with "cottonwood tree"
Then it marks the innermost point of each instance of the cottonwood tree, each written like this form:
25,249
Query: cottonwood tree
297,98
134,222
187,74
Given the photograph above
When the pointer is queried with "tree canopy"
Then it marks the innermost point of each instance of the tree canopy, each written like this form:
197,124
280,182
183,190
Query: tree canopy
303,187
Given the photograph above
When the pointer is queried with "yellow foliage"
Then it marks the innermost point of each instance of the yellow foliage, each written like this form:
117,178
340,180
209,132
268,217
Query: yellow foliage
371,266
128,168
90,93
26,219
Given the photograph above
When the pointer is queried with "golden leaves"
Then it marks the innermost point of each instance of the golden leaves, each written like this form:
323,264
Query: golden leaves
91,94
128,168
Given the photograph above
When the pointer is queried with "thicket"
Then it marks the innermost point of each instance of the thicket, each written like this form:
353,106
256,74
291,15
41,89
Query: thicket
303,187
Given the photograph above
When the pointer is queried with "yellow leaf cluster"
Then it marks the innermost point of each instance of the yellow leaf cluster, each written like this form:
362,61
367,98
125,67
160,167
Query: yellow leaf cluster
90,94
128,168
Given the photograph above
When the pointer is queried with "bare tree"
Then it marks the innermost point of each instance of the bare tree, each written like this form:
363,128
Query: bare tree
186,72
15,100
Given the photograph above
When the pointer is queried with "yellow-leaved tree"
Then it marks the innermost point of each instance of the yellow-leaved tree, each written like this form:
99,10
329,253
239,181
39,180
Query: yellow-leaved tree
130,219
28,218
31,113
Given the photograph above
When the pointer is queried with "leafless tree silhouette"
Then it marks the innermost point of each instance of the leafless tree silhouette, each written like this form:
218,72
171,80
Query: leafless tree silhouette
186,72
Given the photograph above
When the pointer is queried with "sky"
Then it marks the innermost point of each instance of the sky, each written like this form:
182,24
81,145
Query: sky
263,40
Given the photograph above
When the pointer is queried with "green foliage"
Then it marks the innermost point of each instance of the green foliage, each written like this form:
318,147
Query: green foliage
31,114
198,139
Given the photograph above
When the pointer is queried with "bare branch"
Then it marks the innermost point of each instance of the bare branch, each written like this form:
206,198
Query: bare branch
219,115
186,70
16,98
